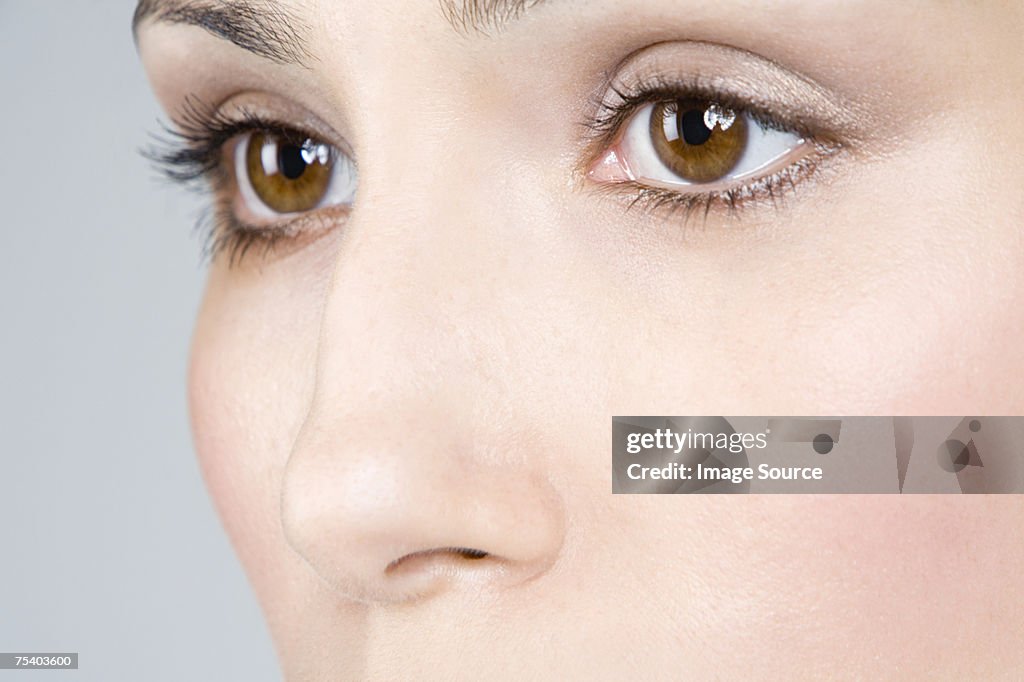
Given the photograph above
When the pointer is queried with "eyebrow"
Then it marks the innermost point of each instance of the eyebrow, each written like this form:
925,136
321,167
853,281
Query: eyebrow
263,28
484,16
270,31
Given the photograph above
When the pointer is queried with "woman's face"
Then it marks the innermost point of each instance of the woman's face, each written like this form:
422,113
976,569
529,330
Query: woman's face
451,242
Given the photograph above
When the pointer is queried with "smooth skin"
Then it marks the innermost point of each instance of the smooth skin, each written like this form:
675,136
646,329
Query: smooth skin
439,369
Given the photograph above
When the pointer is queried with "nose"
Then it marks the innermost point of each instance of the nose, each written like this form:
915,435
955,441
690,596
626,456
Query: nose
416,472
395,509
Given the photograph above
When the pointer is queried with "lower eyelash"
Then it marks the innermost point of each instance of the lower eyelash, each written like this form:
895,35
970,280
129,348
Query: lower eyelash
771,189
222,234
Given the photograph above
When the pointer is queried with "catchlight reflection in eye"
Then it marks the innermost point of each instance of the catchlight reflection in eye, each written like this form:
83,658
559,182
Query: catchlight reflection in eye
696,144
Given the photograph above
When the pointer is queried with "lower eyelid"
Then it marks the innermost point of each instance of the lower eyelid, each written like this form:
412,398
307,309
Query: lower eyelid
789,159
239,242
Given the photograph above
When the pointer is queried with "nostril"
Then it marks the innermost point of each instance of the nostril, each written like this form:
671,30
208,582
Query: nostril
437,554
418,575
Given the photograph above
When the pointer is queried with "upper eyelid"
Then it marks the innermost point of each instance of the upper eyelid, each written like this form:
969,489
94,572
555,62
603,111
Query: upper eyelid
191,149
255,110
659,90
225,127
739,79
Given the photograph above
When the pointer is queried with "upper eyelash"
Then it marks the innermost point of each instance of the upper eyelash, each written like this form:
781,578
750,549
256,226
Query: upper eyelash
191,150
629,98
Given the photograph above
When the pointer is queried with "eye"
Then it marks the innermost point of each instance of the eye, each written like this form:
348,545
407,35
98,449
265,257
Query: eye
691,143
279,174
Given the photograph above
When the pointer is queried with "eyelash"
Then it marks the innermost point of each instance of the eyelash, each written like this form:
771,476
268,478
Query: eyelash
608,123
192,153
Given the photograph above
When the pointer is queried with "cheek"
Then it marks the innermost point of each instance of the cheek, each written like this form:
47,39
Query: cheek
860,578
905,577
905,304
248,393
933,327
250,378
924,316
915,340
908,304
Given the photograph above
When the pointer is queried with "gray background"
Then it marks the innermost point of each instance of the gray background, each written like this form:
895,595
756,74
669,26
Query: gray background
110,546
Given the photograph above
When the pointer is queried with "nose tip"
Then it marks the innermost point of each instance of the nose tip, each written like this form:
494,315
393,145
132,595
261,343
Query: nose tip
384,525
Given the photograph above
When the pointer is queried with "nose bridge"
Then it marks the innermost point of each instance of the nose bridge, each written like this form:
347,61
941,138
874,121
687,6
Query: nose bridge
416,298
436,238
410,474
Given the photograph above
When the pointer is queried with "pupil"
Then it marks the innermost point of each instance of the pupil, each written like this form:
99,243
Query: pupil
692,128
291,162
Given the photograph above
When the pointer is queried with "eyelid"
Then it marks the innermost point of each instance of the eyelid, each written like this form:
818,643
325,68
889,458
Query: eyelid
280,115
294,121
735,78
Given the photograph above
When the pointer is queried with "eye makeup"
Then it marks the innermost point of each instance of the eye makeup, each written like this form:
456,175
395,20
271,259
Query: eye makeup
271,181
741,79
704,108
667,101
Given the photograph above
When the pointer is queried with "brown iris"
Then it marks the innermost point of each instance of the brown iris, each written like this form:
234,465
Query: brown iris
288,175
692,149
